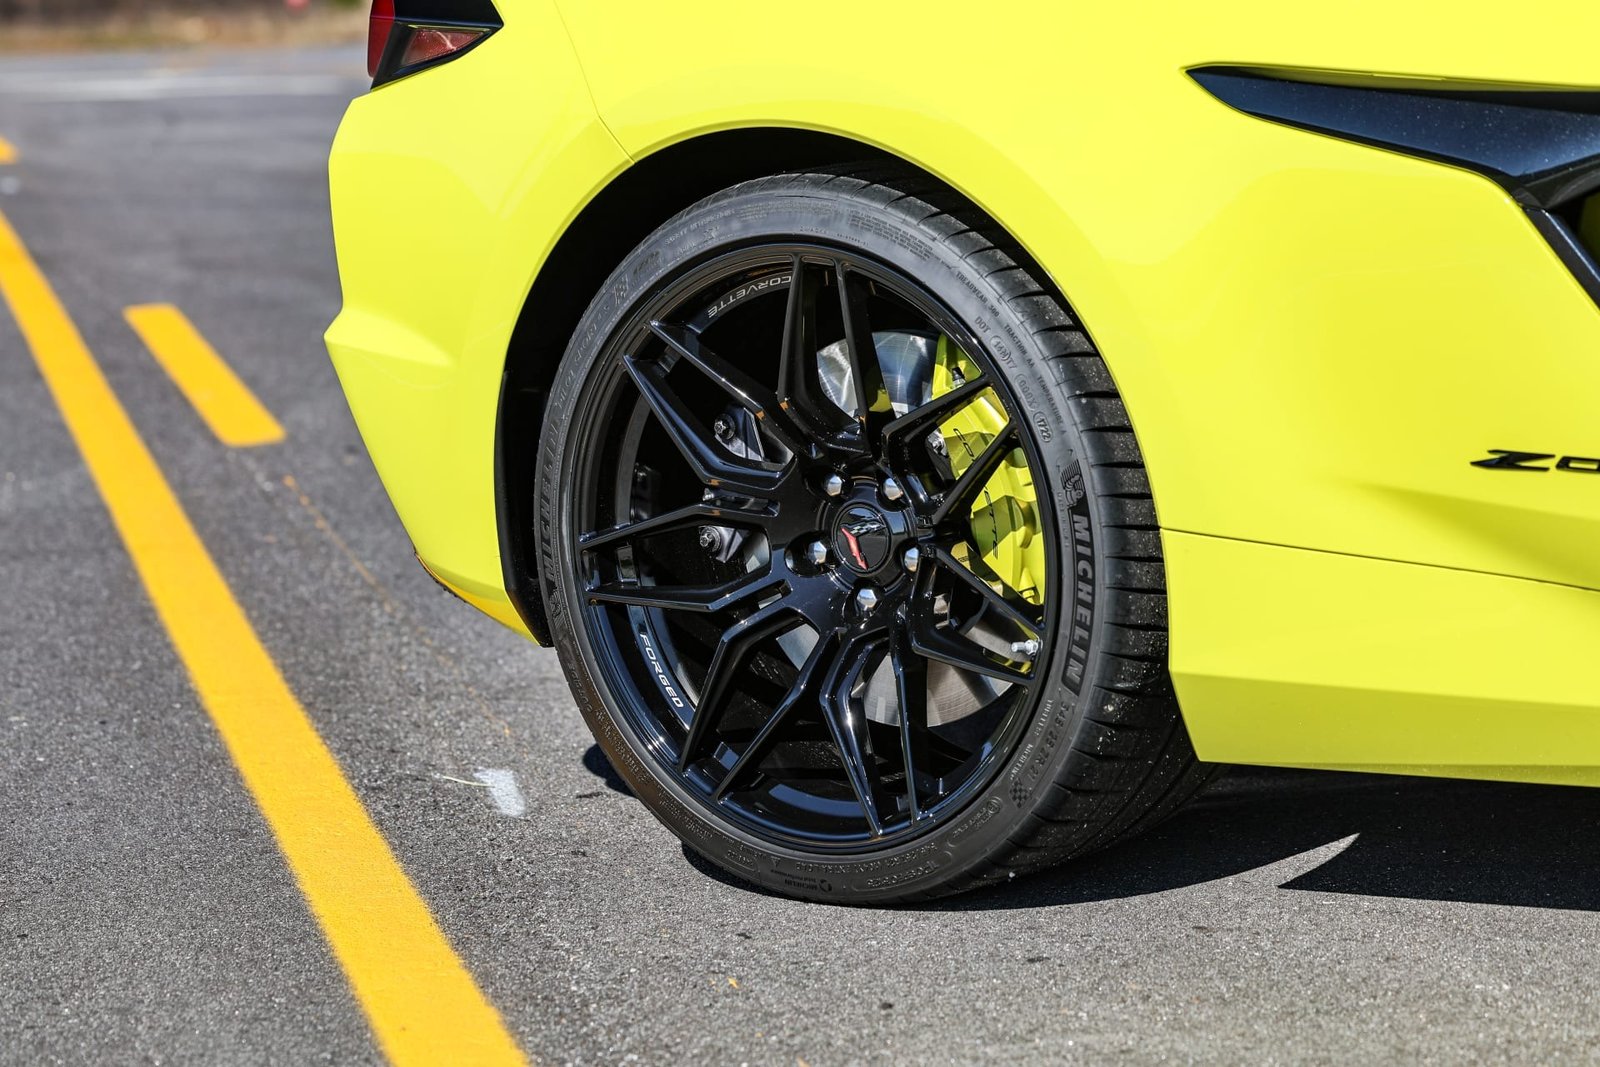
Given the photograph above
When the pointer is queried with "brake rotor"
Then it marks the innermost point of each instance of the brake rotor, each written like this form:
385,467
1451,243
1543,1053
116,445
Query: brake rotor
918,367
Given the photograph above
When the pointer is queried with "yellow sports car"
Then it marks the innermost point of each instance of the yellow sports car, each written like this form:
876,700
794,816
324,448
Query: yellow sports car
927,434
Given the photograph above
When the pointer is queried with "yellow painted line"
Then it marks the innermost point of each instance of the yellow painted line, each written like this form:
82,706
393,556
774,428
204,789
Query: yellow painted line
8,151
423,1006
226,403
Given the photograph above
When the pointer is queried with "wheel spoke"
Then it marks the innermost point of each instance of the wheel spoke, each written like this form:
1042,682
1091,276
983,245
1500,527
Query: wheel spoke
991,598
712,464
937,410
740,639
688,597
872,408
762,743
911,685
799,390
940,644
790,458
682,518
755,398
977,475
847,722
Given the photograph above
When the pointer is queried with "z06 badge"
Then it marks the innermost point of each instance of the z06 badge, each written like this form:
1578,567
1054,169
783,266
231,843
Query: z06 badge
1503,459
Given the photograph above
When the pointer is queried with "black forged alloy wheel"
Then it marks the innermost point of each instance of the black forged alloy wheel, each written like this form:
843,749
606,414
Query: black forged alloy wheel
857,651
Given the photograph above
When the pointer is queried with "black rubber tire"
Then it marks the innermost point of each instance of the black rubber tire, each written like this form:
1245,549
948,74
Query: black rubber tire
1105,754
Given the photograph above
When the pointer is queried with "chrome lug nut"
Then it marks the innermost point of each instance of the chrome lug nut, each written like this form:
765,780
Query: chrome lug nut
833,485
891,490
911,559
816,553
1025,649
866,599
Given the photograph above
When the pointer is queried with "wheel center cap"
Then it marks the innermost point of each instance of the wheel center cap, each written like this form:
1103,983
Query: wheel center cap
861,538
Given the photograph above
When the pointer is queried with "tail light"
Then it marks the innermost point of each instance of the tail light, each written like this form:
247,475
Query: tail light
405,36
379,26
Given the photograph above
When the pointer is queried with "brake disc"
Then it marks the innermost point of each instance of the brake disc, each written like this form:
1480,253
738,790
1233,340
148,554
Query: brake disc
918,367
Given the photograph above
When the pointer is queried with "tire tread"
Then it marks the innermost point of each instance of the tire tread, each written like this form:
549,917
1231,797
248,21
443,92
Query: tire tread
1129,762
1135,764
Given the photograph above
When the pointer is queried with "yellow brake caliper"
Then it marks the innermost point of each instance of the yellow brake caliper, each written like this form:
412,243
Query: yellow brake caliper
1005,515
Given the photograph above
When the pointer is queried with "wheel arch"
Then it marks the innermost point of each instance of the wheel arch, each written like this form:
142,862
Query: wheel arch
620,215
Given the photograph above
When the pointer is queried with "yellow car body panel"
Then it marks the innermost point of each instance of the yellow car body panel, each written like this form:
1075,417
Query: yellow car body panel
1317,659
443,210
1314,337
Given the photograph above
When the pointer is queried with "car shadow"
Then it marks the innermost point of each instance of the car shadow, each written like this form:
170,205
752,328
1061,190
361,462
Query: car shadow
1416,838
595,762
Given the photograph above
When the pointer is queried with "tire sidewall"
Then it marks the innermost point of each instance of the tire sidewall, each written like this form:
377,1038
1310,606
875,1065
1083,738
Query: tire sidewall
963,850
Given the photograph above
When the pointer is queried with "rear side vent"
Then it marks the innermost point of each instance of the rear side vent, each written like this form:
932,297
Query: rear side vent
1542,146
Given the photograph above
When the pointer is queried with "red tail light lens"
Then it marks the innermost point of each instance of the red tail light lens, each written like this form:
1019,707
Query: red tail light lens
379,26
405,36
428,44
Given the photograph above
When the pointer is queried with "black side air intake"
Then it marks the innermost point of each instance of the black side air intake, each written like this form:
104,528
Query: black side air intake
1542,146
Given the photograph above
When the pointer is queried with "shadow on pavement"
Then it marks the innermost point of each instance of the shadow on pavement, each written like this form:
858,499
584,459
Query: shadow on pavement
1415,838
595,762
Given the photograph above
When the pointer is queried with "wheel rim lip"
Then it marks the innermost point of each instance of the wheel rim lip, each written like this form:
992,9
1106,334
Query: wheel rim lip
604,624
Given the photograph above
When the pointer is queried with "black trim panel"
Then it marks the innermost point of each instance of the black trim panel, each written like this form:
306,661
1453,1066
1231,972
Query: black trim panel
1571,250
1541,146
470,12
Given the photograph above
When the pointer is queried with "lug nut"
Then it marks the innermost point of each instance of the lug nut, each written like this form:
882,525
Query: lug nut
833,485
891,490
722,428
911,559
817,553
866,599
1025,649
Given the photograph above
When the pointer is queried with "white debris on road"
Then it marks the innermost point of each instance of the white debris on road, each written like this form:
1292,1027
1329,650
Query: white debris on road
503,791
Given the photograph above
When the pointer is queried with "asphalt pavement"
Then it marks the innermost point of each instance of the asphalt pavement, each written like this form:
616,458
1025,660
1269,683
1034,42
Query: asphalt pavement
146,911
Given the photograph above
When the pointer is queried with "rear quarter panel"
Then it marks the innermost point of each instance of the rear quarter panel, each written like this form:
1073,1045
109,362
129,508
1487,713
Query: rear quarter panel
1314,338
449,188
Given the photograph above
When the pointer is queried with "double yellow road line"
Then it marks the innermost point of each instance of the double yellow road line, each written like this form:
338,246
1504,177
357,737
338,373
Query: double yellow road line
423,1005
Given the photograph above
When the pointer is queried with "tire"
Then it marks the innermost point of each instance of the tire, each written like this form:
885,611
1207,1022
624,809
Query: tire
1099,751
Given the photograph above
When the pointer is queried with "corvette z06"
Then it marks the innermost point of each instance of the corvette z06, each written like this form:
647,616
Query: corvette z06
933,443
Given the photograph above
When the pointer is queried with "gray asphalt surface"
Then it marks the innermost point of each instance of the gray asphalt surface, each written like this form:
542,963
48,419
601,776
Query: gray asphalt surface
146,914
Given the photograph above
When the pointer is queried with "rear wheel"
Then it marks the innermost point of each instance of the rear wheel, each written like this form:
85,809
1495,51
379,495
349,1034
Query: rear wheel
848,551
